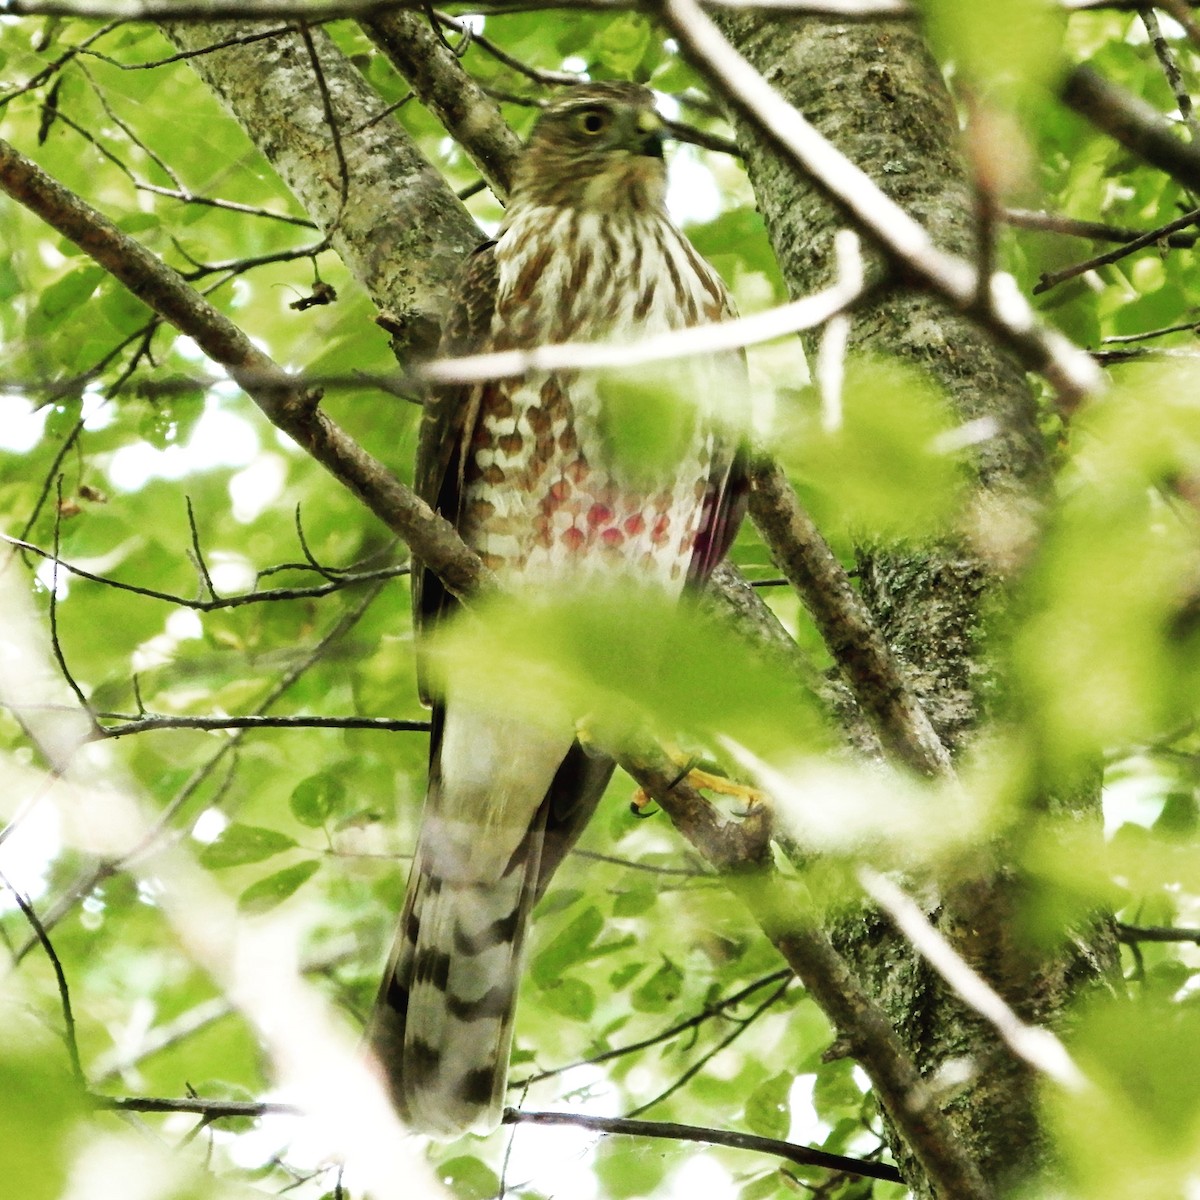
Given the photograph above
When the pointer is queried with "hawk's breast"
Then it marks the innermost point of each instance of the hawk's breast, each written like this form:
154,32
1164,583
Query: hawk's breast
546,498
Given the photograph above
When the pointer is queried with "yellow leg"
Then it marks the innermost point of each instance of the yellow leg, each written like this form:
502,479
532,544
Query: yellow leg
706,780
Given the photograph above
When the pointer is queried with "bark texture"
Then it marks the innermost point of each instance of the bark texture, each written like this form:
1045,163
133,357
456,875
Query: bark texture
387,212
874,91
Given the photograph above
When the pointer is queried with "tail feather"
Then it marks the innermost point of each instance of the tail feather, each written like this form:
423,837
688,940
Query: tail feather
443,1023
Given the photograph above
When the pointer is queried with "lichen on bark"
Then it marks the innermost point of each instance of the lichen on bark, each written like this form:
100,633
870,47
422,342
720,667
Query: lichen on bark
875,91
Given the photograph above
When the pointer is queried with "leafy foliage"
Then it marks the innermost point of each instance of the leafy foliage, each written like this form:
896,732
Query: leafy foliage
121,455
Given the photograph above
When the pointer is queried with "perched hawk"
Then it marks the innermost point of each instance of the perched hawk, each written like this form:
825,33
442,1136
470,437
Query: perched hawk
524,471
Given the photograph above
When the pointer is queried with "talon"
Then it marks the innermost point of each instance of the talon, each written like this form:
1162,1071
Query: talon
639,802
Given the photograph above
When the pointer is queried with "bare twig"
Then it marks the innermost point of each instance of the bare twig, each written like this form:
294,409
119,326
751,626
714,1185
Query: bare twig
211,1110
1149,238
734,1034
1132,934
265,596
1024,218
60,976
803,1155
1174,76
153,721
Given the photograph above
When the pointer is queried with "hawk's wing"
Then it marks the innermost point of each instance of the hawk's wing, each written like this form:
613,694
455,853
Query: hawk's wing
447,425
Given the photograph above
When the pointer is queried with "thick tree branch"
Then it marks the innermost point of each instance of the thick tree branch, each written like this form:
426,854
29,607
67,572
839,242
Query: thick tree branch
468,113
291,409
867,665
1135,124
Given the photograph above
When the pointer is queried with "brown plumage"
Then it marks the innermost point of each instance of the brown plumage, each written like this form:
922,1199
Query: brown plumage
523,470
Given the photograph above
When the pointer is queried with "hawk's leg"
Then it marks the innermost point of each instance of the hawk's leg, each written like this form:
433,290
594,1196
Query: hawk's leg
702,780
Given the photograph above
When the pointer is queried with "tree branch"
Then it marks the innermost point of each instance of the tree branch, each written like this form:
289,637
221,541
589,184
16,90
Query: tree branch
1138,126
742,852
293,410
1007,315
867,665
803,1155
466,111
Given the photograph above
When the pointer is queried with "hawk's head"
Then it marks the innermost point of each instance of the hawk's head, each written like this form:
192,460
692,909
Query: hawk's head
598,147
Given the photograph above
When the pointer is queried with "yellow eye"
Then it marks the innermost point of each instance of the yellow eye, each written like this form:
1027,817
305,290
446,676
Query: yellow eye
594,121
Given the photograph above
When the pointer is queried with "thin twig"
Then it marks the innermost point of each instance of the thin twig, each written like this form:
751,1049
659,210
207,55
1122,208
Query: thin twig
265,596
1149,238
1174,75
803,1155
1132,934
717,1008
734,1034
154,721
64,992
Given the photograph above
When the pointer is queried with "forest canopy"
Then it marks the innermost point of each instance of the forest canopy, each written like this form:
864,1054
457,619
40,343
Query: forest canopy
956,648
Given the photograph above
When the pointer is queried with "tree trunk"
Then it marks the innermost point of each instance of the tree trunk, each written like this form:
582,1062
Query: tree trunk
873,89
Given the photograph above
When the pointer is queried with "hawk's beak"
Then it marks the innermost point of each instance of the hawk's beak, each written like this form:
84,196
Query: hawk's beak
650,134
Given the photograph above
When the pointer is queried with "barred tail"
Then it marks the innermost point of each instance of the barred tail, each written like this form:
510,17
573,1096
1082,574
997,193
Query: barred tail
505,804
443,1023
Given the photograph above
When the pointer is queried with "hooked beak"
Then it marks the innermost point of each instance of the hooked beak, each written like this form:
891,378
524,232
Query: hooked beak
650,129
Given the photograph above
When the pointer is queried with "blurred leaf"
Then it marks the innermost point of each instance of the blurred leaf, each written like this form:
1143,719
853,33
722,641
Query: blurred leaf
264,895
888,471
571,945
1016,42
768,1112
63,297
318,798
660,991
671,671
241,844
469,1178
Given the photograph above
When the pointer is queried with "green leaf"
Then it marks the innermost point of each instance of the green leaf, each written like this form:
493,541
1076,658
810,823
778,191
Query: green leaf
674,668
767,1110
761,1187
570,997
887,470
570,946
274,889
661,990
634,902
63,297
469,1178
241,844
835,1091
315,799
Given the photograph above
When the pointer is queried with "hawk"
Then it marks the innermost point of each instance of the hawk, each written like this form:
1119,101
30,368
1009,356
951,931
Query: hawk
524,470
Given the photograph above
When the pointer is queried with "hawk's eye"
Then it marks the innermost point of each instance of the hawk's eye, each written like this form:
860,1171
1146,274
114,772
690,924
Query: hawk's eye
594,121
